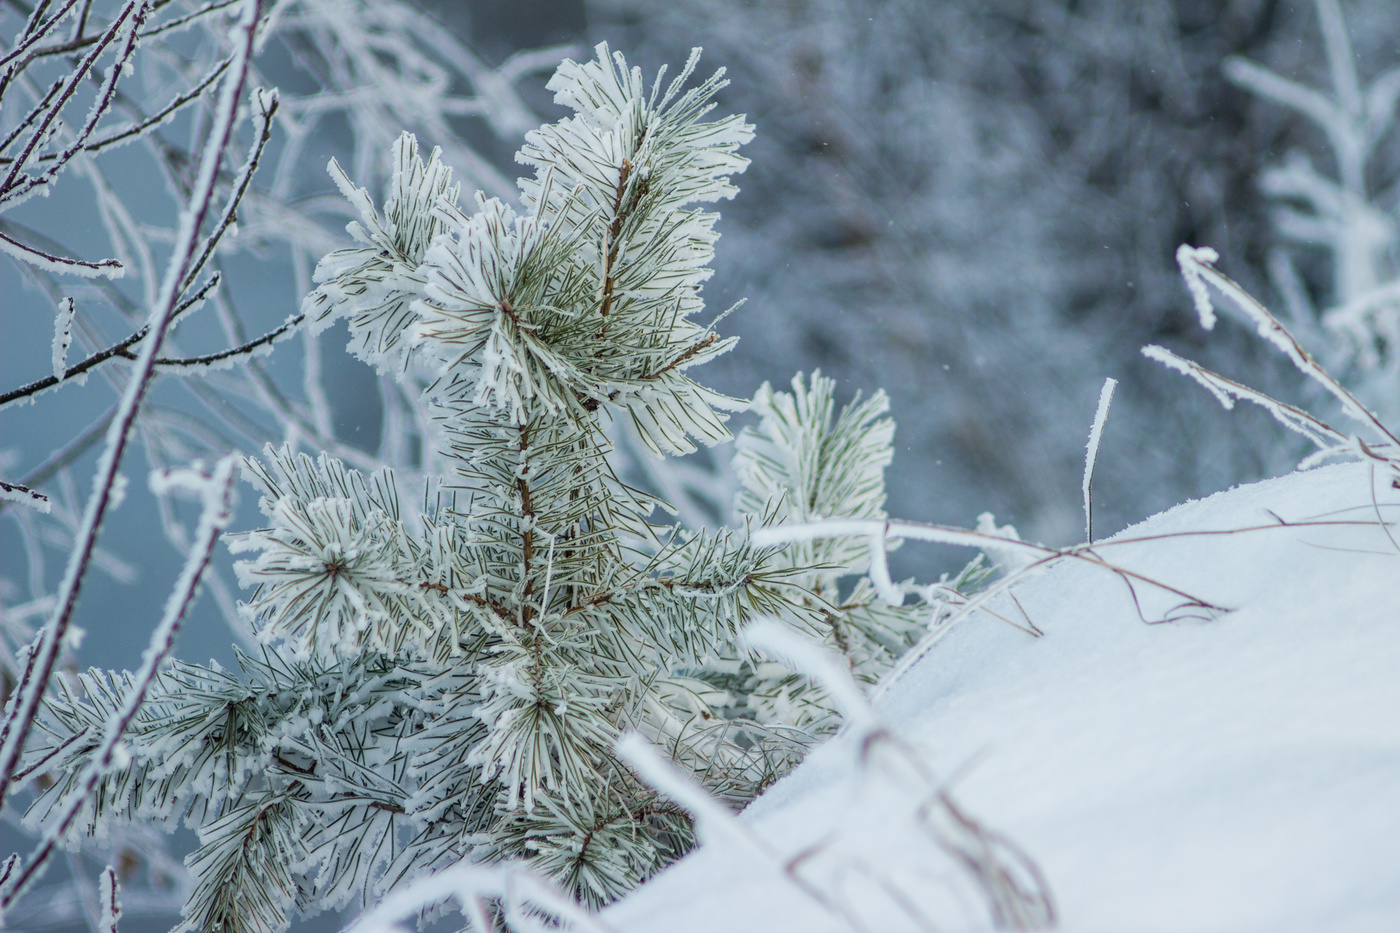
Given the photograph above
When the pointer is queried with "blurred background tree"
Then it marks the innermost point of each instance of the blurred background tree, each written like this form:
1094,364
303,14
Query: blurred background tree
976,204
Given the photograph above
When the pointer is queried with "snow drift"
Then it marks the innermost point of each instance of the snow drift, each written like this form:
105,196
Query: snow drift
1235,770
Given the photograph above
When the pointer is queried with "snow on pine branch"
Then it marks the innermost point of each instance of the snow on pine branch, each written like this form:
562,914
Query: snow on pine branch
814,469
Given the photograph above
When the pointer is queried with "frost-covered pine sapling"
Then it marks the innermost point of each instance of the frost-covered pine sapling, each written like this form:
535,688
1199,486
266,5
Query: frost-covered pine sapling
446,682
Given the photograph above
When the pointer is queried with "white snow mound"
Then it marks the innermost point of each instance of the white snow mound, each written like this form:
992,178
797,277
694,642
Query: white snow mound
1234,773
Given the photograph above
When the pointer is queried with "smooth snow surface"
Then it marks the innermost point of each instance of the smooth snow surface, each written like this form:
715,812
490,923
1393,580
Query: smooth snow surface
1241,773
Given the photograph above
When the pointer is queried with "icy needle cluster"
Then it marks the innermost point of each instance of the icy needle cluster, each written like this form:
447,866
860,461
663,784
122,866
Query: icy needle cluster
445,670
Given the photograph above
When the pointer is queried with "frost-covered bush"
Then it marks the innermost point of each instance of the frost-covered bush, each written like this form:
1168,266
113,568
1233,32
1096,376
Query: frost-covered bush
443,665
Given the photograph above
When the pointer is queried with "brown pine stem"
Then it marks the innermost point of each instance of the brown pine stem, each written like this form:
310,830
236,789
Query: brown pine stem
614,234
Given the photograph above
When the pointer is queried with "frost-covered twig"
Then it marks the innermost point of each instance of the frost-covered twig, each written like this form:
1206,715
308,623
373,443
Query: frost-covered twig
880,533
1197,267
216,491
53,263
18,492
1326,438
20,718
1092,454
109,898
121,348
